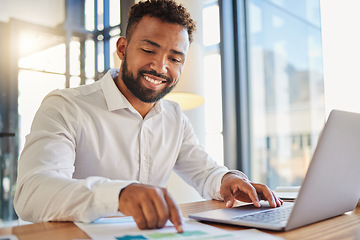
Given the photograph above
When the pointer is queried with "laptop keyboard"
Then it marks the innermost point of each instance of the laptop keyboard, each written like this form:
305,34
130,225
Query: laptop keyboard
276,215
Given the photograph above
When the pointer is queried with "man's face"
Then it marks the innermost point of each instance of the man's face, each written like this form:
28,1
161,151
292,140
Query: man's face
145,94
154,58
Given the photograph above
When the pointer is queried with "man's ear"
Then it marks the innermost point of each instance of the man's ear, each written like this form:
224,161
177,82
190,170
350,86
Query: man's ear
121,47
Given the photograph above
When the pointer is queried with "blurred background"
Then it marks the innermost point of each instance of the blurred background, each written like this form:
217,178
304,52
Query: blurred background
255,69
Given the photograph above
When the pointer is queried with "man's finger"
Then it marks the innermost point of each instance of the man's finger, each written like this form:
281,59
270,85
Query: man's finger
228,198
139,217
162,209
279,202
174,211
150,214
266,194
252,194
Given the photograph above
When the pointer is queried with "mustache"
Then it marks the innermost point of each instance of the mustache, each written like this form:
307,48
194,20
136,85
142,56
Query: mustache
154,73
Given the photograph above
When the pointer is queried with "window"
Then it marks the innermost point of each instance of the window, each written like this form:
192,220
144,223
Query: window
53,61
41,63
285,87
278,86
103,19
212,76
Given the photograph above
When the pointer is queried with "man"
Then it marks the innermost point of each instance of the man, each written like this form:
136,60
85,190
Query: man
110,147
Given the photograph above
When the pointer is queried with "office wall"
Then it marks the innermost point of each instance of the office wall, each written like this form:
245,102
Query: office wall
341,54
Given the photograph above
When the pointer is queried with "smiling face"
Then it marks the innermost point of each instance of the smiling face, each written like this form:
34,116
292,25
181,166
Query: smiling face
152,60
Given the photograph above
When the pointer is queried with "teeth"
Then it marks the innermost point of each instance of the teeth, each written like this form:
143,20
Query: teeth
152,80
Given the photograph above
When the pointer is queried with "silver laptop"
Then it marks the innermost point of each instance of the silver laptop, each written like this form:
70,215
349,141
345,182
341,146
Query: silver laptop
331,186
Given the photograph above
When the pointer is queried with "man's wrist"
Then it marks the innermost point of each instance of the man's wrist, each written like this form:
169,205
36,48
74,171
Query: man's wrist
237,173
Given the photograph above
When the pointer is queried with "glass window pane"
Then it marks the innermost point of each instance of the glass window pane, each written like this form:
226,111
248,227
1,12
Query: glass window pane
100,13
212,81
114,32
213,107
74,58
75,82
89,59
212,87
286,90
307,10
114,12
50,60
100,56
42,52
89,81
113,41
211,25
89,15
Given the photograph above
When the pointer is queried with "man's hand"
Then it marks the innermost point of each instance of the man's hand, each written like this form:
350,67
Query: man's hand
150,206
240,188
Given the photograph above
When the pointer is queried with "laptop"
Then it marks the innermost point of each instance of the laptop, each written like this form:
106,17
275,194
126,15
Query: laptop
330,188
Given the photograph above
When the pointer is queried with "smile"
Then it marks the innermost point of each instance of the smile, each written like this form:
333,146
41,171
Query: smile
153,81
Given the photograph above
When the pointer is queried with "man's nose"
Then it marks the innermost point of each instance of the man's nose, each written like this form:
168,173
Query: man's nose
160,65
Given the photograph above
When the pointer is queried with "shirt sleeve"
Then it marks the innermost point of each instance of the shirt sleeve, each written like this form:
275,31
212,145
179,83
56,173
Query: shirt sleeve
45,189
196,167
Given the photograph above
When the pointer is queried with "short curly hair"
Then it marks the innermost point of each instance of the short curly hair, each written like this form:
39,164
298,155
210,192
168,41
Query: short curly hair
166,10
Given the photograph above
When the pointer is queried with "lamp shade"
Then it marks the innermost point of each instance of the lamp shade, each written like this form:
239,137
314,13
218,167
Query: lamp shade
186,100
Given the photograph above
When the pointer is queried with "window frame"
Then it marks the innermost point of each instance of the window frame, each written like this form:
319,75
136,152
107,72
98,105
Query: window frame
233,50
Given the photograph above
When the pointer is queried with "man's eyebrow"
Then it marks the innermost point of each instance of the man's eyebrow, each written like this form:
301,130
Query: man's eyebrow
151,43
158,46
178,52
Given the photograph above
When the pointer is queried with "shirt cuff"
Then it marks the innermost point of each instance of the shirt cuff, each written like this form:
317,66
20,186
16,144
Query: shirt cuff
106,200
236,172
217,195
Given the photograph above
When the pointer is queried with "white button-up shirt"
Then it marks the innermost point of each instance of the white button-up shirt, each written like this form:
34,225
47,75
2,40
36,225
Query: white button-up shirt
88,143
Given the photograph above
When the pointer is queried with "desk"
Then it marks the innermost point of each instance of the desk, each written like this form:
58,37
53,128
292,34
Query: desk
346,226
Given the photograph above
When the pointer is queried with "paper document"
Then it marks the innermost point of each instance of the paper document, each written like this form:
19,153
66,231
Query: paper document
125,228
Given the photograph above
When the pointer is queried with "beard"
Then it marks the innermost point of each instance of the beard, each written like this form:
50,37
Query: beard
142,93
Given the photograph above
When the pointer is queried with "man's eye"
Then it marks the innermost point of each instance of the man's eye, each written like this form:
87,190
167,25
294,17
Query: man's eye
147,51
176,60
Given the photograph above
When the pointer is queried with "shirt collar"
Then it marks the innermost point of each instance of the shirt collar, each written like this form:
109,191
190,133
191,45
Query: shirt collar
115,99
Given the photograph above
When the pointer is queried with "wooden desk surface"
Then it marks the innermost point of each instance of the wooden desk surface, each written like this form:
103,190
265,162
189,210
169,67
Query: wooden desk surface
346,226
